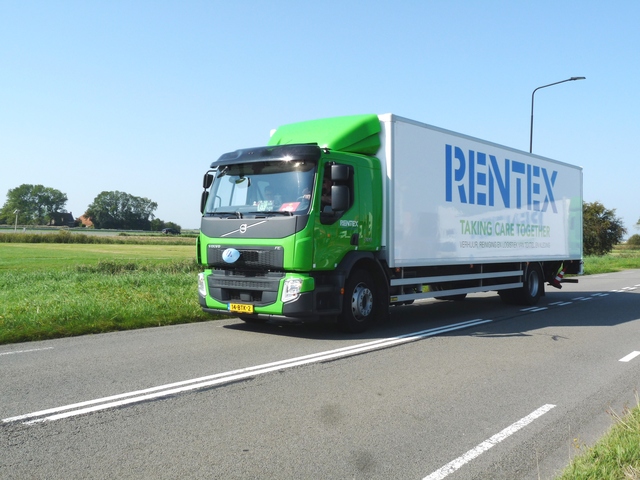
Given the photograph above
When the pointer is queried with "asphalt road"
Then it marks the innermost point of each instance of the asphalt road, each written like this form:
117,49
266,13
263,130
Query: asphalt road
470,390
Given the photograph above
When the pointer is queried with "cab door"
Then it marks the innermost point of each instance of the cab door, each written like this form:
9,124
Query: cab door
337,214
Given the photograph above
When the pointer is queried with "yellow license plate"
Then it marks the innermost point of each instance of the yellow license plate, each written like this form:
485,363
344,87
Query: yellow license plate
240,308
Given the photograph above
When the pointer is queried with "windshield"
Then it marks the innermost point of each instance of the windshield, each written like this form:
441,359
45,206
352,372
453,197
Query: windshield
276,187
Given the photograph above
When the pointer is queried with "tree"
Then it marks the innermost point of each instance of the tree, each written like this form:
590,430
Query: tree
35,204
121,211
634,240
601,229
158,225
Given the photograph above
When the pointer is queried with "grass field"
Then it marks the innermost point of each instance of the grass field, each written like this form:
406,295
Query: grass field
50,290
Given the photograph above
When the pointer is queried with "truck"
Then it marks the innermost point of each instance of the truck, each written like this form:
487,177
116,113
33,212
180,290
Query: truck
344,217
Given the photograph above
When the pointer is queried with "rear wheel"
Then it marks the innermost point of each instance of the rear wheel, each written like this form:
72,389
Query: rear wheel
531,290
359,302
533,287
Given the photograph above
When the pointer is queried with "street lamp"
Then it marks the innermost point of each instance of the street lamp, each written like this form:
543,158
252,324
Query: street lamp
15,228
534,92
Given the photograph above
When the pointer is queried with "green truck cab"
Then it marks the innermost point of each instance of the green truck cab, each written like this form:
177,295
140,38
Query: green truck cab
285,225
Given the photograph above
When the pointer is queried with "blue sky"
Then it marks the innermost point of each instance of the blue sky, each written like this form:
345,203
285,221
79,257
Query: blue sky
141,96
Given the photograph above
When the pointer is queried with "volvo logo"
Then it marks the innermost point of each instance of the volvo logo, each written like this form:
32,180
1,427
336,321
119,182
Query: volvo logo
243,228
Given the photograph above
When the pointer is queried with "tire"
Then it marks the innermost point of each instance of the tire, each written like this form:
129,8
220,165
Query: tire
530,292
359,307
533,287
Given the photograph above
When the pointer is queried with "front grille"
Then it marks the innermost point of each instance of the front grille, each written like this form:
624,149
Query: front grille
262,258
258,289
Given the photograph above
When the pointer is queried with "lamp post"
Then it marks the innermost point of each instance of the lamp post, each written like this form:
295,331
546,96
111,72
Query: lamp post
15,227
534,92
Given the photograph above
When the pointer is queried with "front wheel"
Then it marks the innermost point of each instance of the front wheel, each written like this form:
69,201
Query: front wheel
359,303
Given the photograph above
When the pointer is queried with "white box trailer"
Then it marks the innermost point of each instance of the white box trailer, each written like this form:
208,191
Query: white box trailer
451,199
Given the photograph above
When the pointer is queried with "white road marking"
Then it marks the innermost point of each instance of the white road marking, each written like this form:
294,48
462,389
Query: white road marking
454,465
138,396
533,309
629,357
26,351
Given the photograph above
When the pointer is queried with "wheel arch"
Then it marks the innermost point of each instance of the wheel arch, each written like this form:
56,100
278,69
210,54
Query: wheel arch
367,261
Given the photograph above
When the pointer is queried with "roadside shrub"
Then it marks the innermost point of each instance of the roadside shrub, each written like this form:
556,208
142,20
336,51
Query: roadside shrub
112,267
66,236
634,240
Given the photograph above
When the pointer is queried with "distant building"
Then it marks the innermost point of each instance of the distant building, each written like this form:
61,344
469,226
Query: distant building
62,219
85,221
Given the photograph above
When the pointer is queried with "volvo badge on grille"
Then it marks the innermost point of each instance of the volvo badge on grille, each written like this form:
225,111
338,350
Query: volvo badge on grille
230,255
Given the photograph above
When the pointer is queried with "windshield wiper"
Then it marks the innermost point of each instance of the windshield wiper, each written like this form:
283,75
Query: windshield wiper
226,214
271,213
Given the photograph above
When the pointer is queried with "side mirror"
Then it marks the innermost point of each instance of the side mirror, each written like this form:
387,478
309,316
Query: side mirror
340,173
207,180
203,200
339,198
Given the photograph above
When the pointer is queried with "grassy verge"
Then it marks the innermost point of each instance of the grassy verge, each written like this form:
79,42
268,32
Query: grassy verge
621,258
51,290
615,456
108,296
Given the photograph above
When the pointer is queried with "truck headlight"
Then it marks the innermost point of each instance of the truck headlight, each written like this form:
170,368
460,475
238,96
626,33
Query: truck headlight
202,285
291,289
